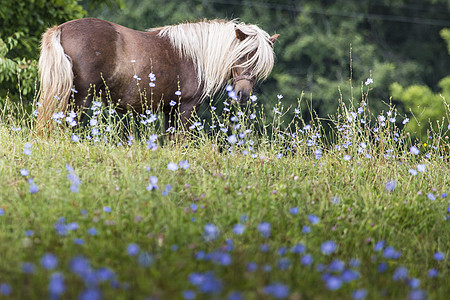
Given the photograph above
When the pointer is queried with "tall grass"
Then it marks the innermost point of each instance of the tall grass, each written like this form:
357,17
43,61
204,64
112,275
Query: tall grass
249,206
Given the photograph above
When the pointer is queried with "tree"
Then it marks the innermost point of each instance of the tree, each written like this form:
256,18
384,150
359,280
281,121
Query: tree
21,25
429,110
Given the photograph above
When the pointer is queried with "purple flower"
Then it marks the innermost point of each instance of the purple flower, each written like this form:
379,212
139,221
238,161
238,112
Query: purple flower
24,172
92,231
107,209
293,210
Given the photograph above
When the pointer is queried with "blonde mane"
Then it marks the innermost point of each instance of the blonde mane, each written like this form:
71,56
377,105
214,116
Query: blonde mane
214,49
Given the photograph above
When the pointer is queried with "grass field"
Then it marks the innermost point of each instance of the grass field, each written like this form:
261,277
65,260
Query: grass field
232,212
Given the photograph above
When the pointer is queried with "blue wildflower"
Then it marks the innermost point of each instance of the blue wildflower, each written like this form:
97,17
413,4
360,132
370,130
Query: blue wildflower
92,231
328,247
378,246
189,295
78,241
277,290
400,273
146,259
56,286
251,267
431,196
417,295
284,263
350,275
184,164
354,262
90,294
313,219
5,289
306,260
438,256
293,210
49,261
382,267
107,209
265,247
298,248
211,232
235,296
432,273
28,268
337,266
153,183
359,294
2,212
264,228
391,253
172,166
80,266
238,229
414,283
333,283
132,249
414,150
390,185
306,229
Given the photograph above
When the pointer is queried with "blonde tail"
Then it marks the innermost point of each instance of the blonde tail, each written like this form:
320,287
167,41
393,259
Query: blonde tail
55,70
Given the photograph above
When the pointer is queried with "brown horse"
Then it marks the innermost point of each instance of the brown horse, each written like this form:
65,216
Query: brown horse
172,65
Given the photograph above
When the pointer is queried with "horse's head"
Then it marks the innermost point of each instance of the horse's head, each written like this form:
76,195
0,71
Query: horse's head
243,74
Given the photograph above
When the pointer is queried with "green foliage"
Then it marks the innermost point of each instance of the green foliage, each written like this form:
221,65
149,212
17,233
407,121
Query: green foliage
426,106
358,191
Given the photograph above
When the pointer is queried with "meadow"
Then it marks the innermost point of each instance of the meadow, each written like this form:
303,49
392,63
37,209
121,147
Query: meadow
246,207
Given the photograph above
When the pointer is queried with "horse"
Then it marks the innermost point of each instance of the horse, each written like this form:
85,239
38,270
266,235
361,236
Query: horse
176,65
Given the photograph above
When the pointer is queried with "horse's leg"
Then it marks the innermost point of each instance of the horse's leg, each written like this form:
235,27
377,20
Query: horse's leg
177,121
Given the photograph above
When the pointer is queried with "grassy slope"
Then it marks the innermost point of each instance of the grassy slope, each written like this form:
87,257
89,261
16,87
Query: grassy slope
224,187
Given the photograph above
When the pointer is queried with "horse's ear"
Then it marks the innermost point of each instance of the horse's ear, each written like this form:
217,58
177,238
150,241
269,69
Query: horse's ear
273,39
239,34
